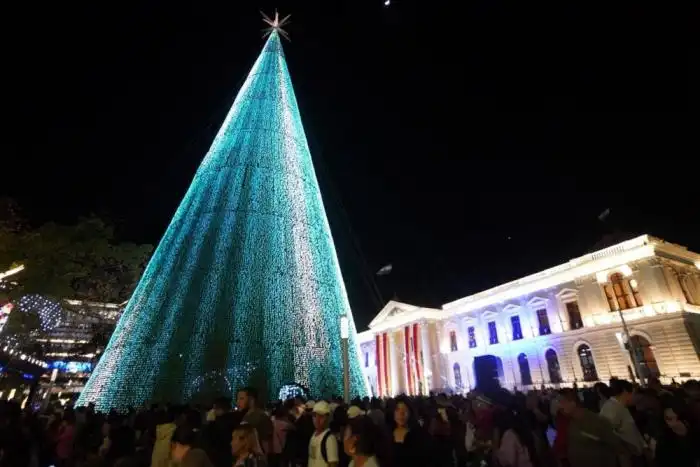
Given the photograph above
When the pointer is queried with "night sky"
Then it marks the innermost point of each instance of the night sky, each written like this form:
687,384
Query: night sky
467,147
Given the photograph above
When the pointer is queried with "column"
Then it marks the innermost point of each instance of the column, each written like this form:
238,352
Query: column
419,385
427,357
407,347
379,358
394,359
385,351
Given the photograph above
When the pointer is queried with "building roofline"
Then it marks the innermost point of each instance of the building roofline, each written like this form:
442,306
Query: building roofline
634,249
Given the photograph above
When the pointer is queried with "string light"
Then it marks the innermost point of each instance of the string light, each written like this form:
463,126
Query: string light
49,312
245,283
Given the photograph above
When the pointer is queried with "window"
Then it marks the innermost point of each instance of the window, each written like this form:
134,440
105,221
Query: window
458,376
575,321
493,333
472,337
517,331
366,359
553,366
453,341
688,289
585,356
621,293
645,357
543,320
525,376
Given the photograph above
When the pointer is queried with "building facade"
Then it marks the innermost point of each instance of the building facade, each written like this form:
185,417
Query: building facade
582,321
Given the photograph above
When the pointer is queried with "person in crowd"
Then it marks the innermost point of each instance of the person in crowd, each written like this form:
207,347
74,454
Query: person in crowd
354,411
246,448
254,415
591,441
183,450
339,420
14,445
615,410
216,433
65,440
323,446
165,427
365,444
281,426
603,392
376,413
516,447
677,444
408,442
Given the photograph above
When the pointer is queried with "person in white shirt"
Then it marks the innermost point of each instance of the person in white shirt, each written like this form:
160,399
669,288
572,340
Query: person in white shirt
323,447
616,412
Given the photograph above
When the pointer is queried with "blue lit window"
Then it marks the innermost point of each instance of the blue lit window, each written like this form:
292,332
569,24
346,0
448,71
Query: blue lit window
366,359
453,341
543,321
517,330
472,337
493,333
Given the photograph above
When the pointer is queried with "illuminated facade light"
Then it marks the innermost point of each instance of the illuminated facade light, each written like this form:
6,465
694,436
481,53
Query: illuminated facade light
245,282
626,270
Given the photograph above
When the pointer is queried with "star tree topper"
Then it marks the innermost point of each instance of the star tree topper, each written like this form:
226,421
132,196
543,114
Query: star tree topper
276,24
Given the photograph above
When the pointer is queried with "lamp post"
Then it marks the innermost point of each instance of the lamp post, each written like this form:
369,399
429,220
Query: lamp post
344,335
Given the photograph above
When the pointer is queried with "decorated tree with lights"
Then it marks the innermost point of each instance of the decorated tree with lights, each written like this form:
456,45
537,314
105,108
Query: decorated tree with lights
244,287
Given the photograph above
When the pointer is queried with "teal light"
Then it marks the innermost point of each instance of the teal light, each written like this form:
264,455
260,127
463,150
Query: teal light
244,287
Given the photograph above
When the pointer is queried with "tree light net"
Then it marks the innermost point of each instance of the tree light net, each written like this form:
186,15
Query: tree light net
244,287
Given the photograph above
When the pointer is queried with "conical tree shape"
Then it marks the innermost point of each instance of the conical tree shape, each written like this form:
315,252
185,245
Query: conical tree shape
244,287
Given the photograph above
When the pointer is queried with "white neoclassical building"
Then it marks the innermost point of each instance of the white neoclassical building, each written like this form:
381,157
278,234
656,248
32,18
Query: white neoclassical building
562,325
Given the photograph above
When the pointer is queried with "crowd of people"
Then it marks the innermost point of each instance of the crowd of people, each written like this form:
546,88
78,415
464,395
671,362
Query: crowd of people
608,425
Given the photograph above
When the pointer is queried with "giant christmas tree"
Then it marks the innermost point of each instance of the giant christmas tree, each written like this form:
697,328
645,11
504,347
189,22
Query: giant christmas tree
244,287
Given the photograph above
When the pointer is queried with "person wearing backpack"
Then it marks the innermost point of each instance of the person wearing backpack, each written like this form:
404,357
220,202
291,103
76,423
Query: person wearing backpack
323,447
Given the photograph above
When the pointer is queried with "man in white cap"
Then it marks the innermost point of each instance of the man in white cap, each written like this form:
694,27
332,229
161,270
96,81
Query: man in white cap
323,447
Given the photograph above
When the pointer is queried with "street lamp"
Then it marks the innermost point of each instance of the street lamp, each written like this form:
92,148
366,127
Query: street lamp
344,335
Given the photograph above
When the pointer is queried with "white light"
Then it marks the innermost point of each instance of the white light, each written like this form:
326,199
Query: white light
23,357
12,395
12,271
626,270
54,373
697,264
601,277
344,327
673,307
633,283
387,2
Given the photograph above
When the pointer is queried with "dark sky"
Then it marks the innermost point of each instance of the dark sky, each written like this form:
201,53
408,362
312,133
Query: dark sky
467,146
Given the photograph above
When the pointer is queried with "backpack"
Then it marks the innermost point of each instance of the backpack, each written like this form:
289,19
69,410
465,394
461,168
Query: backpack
324,449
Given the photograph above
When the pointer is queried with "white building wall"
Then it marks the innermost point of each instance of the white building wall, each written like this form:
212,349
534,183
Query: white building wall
666,319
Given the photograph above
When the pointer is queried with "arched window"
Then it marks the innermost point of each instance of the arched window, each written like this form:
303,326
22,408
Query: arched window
622,294
458,376
553,366
453,341
525,376
585,356
645,357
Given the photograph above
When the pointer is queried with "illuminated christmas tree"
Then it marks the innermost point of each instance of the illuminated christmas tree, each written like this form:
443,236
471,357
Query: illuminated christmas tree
244,287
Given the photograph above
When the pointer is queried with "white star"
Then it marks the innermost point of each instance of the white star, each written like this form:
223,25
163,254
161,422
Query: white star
276,24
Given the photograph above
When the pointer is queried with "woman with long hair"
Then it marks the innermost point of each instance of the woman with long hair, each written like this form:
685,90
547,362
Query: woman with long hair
364,442
245,447
408,440
516,447
677,443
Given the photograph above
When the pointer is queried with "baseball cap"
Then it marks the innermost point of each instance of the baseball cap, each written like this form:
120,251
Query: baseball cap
355,411
322,408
